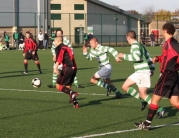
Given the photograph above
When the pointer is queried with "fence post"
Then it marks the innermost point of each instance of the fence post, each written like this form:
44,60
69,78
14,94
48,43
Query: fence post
35,23
101,28
109,41
157,30
116,19
70,27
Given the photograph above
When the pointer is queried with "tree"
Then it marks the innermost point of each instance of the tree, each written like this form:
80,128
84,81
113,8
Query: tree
148,13
134,12
176,12
175,15
163,15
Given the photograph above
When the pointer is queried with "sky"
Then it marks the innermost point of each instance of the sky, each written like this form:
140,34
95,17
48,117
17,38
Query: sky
140,5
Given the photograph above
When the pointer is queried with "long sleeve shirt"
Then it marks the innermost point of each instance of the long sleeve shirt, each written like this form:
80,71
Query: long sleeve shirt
100,53
140,57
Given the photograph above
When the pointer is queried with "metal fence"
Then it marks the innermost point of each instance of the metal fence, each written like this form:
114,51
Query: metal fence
110,29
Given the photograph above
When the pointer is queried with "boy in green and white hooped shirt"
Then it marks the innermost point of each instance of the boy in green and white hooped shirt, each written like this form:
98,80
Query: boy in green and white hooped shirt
16,39
144,68
54,77
6,39
100,53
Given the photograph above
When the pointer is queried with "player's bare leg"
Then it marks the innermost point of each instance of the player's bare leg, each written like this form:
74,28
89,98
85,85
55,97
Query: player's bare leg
141,95
174,100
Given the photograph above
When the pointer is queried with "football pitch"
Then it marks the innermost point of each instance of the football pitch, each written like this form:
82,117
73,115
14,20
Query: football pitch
27,112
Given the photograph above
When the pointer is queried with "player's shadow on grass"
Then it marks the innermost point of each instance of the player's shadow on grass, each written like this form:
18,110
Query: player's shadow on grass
30,111
33,112
19,71
20,74
10,72
166,125
118,80
91,84
96,102
87,85
85,68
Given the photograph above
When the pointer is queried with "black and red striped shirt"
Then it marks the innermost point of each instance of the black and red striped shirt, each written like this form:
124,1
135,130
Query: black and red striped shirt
66,57
29,45
169,60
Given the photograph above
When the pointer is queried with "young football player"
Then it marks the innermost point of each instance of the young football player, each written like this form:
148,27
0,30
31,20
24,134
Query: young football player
66,42
102,77
168,83
30,52
144,68
64,56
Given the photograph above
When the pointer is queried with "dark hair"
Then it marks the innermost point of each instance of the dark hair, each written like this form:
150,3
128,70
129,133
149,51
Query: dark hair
131,34
169,28
27,32
59,30
4,33
94,38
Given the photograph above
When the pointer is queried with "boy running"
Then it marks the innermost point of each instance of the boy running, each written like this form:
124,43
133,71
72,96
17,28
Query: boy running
64,55
144,68
168,83
100,53
54,76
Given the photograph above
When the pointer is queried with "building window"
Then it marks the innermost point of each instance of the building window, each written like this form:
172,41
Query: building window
79,16
55,6
79,7
55,16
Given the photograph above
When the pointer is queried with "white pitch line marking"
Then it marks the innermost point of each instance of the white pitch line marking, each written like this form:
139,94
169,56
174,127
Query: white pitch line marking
20,90
57,92
124,131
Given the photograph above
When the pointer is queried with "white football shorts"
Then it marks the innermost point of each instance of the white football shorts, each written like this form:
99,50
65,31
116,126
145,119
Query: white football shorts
141,78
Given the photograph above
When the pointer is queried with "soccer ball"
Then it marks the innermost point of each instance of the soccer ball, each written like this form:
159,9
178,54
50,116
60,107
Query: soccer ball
36,82
4,47
21,46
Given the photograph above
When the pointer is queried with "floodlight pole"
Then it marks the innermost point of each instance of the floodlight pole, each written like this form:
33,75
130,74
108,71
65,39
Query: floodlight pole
38,16
115,18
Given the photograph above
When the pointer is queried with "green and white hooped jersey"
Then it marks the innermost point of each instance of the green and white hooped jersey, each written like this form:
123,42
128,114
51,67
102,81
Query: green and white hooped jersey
66,42
100,53
140,57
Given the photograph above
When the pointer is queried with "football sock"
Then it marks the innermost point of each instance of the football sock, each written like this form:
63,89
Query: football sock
105,85
26,66
38,66
75,81
133,92
160,109
65,90
148,100
115,90
151,112
102,84
54,79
